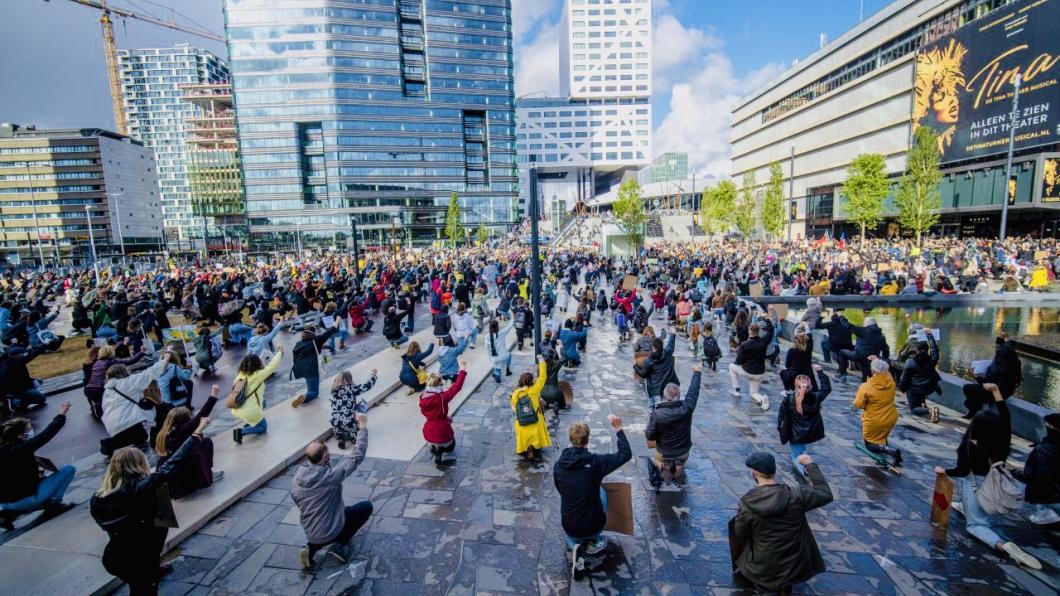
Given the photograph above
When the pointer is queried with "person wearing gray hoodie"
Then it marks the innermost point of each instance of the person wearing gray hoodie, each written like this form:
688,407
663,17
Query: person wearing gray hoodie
317,492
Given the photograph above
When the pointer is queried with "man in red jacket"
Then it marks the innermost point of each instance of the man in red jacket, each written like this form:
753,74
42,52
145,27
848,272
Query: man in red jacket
434,405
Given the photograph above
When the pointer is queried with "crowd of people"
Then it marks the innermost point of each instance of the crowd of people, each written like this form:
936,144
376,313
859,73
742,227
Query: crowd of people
138,377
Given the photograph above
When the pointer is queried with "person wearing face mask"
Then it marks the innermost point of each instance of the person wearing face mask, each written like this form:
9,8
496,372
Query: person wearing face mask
780,548
24,490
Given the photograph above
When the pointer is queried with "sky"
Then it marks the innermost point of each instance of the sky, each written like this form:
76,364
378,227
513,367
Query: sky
707,54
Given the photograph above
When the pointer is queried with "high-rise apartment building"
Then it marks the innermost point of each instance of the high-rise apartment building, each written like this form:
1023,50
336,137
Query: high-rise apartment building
215,182
372,114
600,129
156,111
54,182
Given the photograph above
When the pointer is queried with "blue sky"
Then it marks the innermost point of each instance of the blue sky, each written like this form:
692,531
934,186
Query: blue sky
707,54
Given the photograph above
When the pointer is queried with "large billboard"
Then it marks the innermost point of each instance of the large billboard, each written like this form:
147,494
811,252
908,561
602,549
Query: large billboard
964,82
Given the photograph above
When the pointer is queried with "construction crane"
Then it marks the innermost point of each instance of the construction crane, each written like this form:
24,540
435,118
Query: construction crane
111,50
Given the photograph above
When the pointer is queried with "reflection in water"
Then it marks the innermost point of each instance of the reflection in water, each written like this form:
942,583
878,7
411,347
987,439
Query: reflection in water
968,334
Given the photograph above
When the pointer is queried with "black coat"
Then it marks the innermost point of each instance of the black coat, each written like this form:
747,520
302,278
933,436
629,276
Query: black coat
392,325
578,474
807,427
19,463
840,332
781,550
658,369
1042,471
306,354
751,355
442,324
871,342
670,424
798,362
921,376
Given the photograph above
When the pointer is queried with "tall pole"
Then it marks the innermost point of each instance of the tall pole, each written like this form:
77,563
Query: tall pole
33,203
117,215
92,241
356,250
694,210
535,258
791,189
1008,160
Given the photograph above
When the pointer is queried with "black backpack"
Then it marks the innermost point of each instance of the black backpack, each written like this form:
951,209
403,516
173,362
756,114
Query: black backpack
525,414
711,348
520,319
180,390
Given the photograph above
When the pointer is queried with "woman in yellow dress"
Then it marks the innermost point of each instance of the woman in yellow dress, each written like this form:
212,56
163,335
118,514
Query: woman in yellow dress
531,434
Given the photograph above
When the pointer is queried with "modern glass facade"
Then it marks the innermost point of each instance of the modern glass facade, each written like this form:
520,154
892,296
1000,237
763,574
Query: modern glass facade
156,110
373,111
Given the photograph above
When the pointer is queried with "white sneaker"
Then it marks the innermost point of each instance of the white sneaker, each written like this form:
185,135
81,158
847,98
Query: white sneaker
735,393
761,400
596,547
1044,517
1020,556
958,507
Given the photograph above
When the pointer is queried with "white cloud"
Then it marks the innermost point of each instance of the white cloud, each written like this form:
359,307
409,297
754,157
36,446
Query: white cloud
536,57
699,116
526,14
675,47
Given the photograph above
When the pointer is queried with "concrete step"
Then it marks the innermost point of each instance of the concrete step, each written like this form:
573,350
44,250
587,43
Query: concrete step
72,543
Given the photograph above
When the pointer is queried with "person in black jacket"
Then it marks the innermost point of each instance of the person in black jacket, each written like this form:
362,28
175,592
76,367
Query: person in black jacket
125,507
1005,371
871,342
552,393
920,378
578,475
750,363
442,323
306,365
985,443
799,420
392,327
18,386
798,361
771,518
670,425
840,337
1042,475
23,490
658,369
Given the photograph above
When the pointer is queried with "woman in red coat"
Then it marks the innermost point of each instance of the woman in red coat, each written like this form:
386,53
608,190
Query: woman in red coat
357,320
434,405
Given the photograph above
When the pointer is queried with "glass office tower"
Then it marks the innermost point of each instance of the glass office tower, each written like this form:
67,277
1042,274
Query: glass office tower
373,113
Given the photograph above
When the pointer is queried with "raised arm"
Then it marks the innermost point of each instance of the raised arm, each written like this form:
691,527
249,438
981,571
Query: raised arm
692,396
818,494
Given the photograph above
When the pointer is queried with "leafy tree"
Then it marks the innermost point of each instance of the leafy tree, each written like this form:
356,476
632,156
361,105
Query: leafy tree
718,206
744,214
865,189
483,234
773,204
452,221
628,210
918,198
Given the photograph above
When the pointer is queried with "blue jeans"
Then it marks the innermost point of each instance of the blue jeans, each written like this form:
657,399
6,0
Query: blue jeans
312,388
401,340
257,429
497,369
107,332
410,325
977,521
341,336
798,449
574,541
50,491
240,333
826,351
26,398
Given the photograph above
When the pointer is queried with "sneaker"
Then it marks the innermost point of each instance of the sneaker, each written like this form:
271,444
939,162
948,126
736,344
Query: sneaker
237,435
1020,556
934,414
340,552
218,476
735,393
54,509
654,478
897,457
304,558
762,401
596,547
7,520
577,568
1044,517
842,378
958,507
297,401
438,459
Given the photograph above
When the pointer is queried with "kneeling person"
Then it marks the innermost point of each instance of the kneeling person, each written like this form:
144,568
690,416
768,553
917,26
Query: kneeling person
670,426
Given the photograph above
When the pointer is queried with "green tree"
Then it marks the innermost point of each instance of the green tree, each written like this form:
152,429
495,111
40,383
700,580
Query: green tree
718,206
773,204
918,198
865,188
452,221
628,210
744,214
483,234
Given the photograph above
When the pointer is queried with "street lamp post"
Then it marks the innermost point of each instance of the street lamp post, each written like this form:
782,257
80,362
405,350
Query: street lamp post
394,244
92,241
535,259
695,211
33,204
1008,160
117,214
356,250
298,237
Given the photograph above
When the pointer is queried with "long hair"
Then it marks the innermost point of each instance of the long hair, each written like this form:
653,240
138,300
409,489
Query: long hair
128,464
526,380
250,364
802,342
341,380
176,418
414,348
11,432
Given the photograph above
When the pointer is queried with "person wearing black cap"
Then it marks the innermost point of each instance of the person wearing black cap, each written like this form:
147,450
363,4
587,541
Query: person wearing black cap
1042,475
780,550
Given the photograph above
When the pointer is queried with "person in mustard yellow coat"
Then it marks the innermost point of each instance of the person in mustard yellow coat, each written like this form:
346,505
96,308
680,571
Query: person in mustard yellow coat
876,398
1039,278
530,438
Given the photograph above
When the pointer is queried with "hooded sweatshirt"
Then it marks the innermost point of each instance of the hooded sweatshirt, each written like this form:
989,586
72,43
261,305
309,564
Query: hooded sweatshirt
317,492
578,474
876,398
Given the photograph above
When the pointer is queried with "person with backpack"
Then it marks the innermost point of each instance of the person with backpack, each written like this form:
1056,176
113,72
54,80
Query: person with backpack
981,460
799,420
434,405
531,434
413,372
306,362
246,401
524,323
623,325
497,348
920,378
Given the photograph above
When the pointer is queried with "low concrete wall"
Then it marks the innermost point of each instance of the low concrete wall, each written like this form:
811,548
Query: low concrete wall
1026,417
935,300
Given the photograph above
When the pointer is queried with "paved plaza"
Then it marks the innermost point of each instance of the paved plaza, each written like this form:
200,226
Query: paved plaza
490,523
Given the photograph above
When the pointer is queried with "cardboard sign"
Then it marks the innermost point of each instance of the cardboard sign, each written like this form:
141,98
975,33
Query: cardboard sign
781,310
883,267
1040,255
755,289
922,336
568,393
619,507
638,360
629,282
941,501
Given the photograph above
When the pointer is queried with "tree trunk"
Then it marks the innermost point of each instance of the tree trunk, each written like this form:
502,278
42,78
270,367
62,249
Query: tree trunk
863,233
918,243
